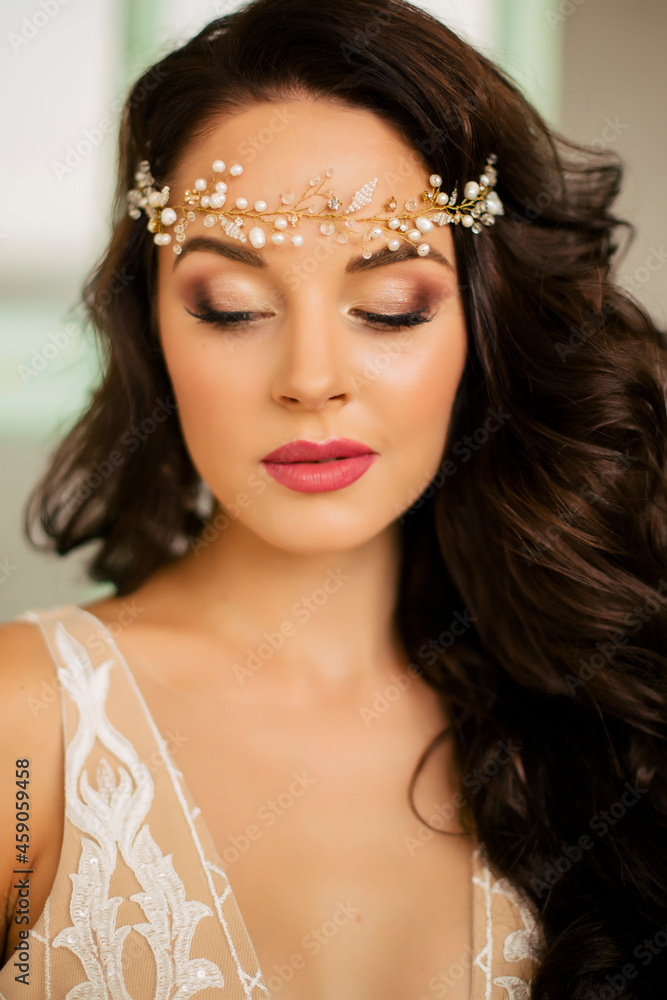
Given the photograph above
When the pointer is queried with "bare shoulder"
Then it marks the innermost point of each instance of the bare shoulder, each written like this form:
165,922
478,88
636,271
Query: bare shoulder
27,679
119,611
30,741
154,604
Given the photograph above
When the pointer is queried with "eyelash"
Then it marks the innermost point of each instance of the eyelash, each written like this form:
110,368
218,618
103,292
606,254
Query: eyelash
397,320
392,321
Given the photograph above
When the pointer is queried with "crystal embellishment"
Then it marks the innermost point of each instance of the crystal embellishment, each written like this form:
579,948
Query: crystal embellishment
479,208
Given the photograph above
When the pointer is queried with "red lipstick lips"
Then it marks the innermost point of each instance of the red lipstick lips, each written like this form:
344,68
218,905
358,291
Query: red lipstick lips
311,467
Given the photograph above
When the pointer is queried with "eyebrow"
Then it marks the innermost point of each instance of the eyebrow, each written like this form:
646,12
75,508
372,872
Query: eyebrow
240,254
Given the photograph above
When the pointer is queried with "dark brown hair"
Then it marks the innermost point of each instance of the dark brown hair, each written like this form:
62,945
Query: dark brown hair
545,528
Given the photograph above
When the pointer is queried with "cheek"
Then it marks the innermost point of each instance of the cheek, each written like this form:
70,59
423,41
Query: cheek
200,376
417,399
420,385
210,391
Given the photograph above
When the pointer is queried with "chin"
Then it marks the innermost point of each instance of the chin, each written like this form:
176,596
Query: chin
309,534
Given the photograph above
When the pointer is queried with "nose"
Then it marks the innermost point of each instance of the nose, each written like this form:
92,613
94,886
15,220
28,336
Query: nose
314,366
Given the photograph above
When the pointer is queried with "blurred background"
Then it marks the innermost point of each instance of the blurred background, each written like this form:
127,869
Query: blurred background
594,69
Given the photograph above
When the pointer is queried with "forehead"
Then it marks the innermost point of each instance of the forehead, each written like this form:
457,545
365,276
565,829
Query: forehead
306,153
283,145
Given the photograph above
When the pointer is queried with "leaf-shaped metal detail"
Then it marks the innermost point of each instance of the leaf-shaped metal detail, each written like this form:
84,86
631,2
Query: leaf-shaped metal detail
362,197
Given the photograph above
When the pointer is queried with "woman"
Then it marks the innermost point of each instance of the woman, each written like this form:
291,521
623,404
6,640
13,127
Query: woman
471,589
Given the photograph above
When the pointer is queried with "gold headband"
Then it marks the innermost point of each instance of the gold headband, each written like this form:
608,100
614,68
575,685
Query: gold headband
478,208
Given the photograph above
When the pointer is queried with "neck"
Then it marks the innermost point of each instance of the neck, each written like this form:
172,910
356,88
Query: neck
316,619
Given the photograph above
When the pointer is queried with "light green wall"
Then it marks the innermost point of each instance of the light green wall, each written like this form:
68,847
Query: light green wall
531,50
140,18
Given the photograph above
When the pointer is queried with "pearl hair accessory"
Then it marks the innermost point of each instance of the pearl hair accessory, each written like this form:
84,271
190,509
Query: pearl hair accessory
478,208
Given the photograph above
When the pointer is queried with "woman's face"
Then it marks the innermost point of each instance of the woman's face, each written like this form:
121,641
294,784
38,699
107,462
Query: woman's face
313,359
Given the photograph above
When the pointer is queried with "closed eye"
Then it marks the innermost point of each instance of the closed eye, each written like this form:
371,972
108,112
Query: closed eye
396,320
217,318
391,321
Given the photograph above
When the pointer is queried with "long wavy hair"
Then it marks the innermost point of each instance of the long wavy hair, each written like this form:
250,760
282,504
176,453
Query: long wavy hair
546,523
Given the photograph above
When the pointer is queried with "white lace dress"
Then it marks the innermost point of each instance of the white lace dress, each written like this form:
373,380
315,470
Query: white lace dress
141,907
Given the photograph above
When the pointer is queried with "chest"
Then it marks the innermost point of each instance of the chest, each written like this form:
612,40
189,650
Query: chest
343,891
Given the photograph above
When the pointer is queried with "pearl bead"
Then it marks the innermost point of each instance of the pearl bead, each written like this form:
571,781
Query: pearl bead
200,184
218,166
435,180
220,186
393,223
467,221
155,199
376,231
281,222
217,200
394,244
442,198
241,202
168,216
261,206
278,238
471,190
494,204
162,239
257,237
297,240
423,249
236,169
205,201
414,234
425,225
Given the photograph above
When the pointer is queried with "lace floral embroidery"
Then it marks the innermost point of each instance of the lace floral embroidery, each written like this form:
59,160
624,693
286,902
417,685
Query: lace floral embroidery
113,814
519,944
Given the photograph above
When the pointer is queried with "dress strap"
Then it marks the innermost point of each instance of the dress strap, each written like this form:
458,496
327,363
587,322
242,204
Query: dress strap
506,936
135,908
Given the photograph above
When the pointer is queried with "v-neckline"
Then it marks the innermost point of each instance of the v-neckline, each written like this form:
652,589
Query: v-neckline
478,869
